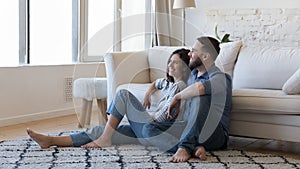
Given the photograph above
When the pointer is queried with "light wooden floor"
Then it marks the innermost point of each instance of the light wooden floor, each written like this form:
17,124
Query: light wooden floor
66,123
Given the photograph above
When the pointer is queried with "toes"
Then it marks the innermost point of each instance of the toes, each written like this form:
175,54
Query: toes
91,145
86,146
202,157
200,153
28,131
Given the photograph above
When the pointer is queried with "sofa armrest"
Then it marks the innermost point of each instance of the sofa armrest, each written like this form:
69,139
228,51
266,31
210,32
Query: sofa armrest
125,67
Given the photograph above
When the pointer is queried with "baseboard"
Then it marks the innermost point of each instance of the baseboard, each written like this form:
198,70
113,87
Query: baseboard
36,116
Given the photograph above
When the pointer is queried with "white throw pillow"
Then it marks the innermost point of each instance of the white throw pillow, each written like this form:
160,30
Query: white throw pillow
292,85
227,56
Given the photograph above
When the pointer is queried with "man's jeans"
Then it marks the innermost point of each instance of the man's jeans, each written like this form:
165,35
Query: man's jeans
213,138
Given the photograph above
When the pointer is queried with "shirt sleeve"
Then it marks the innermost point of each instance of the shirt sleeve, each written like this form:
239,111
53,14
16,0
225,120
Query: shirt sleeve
216,83
160,83
175,88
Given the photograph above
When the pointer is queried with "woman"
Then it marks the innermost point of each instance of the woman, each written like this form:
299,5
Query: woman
125,103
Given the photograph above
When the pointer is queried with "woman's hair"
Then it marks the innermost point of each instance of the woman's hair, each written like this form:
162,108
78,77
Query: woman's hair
184,56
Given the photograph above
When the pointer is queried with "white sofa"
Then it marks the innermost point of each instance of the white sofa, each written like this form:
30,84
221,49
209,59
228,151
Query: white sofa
262,77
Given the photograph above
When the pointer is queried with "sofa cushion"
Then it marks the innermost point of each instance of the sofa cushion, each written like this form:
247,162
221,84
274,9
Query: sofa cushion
139,73
227,57
292,85
265,67
125,67
264,101
158,57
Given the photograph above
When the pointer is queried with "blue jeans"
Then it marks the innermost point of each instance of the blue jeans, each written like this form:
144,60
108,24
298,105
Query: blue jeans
197,122
125,103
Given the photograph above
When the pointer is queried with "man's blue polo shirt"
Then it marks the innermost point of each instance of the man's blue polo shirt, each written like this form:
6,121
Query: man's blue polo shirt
218,85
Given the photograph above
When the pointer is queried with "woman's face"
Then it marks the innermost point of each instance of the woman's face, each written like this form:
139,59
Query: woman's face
176,66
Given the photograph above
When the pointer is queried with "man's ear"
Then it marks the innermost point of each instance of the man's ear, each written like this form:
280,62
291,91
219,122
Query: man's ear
206,56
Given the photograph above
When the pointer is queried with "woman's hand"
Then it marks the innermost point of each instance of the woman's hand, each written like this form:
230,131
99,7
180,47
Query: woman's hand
174,107
147,101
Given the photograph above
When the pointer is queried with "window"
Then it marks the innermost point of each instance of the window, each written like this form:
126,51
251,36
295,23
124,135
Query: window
100,29
126,32
133,25
50,32
9,32
47,32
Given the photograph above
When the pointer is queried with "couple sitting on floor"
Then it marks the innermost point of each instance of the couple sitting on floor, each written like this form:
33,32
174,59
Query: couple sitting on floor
192,116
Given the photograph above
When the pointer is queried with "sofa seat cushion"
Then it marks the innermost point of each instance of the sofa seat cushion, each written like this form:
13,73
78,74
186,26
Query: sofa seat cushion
278,119
264,101
139,90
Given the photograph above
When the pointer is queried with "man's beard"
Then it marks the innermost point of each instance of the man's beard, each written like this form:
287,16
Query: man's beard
194,64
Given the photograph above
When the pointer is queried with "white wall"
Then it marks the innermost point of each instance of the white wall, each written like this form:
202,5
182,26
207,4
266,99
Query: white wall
30,93
199,22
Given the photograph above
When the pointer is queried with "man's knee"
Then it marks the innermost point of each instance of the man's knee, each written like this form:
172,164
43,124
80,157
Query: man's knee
150,130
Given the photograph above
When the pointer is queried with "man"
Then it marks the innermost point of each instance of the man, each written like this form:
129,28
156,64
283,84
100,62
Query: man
208,105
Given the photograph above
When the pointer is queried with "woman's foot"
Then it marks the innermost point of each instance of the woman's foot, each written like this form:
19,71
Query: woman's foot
99,143
42,140
200,153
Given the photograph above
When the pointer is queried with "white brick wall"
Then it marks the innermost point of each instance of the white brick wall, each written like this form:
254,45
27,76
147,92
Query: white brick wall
258,26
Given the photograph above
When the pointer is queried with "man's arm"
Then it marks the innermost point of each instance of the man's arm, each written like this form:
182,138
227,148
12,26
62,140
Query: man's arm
196,89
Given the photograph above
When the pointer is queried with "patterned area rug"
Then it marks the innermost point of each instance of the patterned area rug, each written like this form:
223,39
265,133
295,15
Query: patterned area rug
25,153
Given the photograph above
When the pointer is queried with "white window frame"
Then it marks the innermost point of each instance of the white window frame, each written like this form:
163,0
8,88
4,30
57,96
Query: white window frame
24,33
117,35
79,30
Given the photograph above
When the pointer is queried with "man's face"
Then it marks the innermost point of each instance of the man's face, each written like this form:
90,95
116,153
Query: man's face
195,55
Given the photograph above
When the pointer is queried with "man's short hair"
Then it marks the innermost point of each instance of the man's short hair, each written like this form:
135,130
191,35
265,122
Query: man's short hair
210,45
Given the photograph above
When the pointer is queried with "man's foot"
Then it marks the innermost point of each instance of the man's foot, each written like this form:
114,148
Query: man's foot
99,143
200,153
42,140
180,156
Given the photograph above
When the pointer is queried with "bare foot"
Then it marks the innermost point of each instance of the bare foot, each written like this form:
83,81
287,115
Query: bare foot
99,143
181,155
200,153
42,140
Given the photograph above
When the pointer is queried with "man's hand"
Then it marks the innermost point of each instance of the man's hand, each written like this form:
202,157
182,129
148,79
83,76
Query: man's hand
175,104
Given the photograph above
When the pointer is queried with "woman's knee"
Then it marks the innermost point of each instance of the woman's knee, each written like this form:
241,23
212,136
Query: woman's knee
122,92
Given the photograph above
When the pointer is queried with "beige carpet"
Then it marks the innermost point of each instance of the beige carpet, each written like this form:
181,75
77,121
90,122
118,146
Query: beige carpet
25,153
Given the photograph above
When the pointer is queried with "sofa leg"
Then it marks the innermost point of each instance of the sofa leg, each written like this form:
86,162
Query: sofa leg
85,115
102,105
